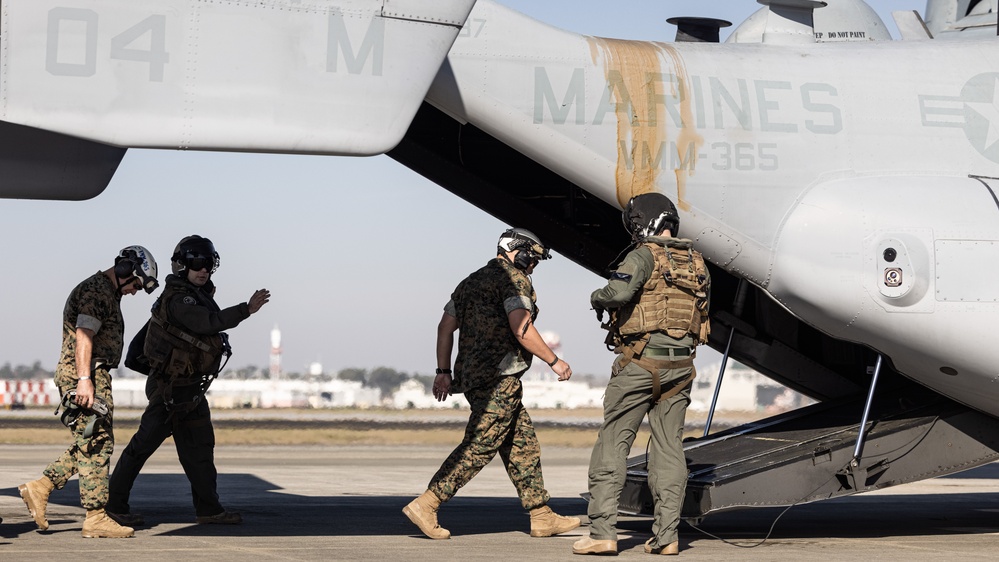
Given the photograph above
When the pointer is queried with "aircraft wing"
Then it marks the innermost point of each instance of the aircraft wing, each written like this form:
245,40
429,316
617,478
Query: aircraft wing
324,77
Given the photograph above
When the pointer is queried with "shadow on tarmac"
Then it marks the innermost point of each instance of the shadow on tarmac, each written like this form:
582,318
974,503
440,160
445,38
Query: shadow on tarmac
165,502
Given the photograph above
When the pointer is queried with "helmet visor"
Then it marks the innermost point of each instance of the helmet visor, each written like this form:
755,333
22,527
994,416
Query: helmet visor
198,263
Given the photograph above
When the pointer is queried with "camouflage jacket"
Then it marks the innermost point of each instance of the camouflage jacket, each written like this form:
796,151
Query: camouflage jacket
487,348
94,304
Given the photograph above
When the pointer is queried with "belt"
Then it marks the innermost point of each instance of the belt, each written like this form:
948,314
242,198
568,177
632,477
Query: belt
666,352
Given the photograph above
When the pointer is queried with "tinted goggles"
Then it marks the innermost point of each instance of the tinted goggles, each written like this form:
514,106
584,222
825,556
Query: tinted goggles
197,263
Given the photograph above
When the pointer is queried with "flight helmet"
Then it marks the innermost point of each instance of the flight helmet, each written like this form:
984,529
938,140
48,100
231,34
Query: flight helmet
136,261
650,214
529,245
196,253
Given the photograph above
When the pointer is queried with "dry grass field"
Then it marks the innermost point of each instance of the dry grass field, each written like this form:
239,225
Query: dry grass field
555,428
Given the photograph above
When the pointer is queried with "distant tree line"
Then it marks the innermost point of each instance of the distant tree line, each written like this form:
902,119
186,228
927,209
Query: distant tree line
24,372
385,379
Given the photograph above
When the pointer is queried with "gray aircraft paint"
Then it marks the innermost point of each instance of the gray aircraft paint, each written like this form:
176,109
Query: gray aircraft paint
372,47
173,68
751,104
975,111
791,168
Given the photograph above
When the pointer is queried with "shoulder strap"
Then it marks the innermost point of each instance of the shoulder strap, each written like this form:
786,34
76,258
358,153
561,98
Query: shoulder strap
178,333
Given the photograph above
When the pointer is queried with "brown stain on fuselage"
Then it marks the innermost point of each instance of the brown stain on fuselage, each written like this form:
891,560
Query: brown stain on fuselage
633,72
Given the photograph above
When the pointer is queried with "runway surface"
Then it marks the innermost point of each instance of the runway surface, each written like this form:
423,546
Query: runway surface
344,503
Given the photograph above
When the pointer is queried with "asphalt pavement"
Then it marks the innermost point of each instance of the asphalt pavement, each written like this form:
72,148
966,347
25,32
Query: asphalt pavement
344,503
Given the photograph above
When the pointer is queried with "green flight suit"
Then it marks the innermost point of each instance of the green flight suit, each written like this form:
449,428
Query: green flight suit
627,401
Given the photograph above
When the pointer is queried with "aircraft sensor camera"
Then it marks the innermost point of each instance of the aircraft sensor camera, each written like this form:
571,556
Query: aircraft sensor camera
893,275
890,255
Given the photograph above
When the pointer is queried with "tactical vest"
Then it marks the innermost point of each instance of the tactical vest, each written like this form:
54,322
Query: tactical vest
174,354
674,299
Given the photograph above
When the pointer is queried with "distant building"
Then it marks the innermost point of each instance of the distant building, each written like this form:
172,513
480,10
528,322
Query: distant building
553,393
232,393
412,394
742,389
291,394
28,393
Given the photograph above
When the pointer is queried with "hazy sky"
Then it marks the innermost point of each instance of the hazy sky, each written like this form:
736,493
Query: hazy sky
360,254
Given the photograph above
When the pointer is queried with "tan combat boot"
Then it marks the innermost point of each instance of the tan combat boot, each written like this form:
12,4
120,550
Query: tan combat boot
586,545
671,549
545,522
36,496
423,513
98,525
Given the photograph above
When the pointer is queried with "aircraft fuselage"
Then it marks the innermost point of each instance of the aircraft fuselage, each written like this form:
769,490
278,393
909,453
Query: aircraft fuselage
849,181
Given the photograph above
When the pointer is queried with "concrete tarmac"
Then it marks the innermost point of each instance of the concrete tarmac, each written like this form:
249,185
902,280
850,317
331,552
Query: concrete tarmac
344,503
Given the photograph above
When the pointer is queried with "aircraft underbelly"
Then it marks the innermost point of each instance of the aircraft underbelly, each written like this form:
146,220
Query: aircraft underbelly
37,164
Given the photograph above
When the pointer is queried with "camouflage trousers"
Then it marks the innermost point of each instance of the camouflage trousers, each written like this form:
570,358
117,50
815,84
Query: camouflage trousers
88,457
498,424
627,401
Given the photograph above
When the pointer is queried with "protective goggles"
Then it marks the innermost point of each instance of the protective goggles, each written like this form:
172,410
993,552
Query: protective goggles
539,252
197,263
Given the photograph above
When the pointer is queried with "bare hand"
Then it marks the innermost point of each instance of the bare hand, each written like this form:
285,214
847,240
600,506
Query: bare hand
562,369
85,393
259,299
442,386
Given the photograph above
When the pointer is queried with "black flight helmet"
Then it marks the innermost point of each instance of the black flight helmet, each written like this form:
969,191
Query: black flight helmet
649,214
194,253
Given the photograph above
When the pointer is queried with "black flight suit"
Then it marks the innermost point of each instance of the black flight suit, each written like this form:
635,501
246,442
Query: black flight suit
193,310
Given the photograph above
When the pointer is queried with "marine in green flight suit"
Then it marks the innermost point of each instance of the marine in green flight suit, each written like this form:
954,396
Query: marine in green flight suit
658,304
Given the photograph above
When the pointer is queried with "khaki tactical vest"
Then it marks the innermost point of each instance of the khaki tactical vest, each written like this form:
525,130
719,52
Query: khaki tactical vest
674,299
174,354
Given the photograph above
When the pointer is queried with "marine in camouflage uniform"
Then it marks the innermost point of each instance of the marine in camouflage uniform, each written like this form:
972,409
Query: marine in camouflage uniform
494,310
657,298
92,342
94,305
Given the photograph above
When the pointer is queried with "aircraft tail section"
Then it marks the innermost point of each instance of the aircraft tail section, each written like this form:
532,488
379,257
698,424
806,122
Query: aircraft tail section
961,18
303,76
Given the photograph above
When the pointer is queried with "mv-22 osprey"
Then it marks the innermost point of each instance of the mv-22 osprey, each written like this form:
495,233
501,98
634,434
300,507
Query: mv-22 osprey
842,185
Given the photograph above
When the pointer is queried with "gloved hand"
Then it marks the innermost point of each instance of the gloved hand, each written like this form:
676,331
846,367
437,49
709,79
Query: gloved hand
600,313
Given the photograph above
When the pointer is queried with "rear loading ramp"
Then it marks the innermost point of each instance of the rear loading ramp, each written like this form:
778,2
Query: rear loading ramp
806,455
